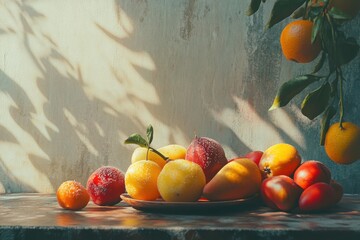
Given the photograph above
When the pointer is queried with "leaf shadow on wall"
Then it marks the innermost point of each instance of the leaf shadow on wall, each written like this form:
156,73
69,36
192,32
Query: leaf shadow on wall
72,131
201,84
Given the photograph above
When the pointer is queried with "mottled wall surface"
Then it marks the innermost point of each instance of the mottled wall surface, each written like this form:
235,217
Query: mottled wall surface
77,77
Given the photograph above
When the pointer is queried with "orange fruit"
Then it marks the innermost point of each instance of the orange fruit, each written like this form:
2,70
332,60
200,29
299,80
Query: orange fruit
279,159
141,180
181,181
72,195
342,145
296,43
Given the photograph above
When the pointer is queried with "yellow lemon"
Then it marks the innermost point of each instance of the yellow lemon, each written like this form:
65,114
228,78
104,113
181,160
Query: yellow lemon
141,180
181,181
173,151
140,154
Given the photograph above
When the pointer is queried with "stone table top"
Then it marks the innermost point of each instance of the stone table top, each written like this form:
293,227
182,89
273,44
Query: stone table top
38,216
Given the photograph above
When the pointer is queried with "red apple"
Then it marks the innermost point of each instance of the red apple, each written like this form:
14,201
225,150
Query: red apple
208,153
339,191
318,196
280,192
105,185
311,172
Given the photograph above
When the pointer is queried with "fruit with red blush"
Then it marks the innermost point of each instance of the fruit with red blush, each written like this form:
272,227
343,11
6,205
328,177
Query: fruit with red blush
105,185
311,172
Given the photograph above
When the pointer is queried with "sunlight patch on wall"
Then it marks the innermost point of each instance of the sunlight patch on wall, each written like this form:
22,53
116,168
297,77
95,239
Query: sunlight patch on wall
282,120
255,131
16,159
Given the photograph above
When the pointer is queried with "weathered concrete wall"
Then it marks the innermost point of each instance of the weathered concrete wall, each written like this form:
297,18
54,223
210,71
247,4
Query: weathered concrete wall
77,77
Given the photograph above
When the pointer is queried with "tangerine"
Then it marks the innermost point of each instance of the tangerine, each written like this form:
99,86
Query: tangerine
342,144
72,195
296,43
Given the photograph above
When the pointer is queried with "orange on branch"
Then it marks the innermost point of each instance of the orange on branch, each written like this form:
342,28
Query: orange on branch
296,43
342,145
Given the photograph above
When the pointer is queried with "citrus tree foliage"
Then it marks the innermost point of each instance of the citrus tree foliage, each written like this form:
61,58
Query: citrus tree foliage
337,51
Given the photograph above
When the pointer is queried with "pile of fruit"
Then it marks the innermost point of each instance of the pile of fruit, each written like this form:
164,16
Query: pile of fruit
174,173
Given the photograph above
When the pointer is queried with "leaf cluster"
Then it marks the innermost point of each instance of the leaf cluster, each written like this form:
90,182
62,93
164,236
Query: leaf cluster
139,140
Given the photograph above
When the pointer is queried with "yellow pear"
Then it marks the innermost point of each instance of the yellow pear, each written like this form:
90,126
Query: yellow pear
240,178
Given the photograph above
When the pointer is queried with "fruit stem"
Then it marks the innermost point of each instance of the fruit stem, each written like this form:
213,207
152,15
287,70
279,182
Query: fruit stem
306,9
339,72
158,153
267,170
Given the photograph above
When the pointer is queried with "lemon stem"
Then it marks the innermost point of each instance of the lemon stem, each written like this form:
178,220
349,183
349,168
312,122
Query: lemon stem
158,153
147,153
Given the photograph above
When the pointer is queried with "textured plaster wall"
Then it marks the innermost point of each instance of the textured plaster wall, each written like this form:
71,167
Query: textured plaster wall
77,77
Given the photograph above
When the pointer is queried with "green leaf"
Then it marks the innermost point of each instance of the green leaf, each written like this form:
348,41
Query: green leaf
150,133
316,102
254,6
137,139
338,14
314,11
291,88
316,28
325,122
283,9
320,64
298,13
347,50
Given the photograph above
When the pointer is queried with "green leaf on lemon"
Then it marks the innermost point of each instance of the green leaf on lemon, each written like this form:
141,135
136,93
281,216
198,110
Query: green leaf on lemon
150,133
316,102
137,139
283,9
325,122
291,88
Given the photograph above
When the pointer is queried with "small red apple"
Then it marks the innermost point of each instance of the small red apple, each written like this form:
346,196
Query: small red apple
208,153
311,172
318,196
280,192
105,185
